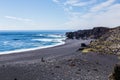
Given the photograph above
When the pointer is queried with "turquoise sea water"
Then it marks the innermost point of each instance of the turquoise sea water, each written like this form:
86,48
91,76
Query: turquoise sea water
21,40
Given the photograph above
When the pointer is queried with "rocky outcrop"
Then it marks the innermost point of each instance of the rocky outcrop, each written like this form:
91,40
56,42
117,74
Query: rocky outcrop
94,33
109,42
116,73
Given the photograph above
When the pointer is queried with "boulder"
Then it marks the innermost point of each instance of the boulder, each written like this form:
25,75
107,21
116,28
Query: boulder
83,45
116,74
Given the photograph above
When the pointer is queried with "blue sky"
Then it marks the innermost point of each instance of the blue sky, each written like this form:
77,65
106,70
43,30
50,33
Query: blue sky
58,14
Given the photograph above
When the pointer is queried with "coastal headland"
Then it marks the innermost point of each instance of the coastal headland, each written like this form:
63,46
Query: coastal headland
63,62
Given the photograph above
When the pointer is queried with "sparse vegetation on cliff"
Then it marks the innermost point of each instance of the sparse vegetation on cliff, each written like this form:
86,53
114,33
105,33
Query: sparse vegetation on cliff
108,43
107,40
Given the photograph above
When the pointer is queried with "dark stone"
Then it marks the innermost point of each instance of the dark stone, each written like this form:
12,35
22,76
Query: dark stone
79,69
52,73
69,60
15,79
95,69
88,70
97,63
83,45
3,65
72,64
80,49
42,60
77,72
57,66
116,73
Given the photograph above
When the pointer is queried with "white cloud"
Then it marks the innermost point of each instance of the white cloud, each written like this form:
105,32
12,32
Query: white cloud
102,5
110,18
106,13
79,3
17,18
71,2
56,1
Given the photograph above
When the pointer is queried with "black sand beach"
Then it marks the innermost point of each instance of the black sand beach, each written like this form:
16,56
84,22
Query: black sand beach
62,62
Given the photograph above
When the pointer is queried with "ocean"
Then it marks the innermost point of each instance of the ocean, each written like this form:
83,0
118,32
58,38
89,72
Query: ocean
17,41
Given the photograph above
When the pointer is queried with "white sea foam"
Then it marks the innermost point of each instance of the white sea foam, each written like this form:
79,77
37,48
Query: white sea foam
31,49
5,42
13,44
40,35
49,40
56,36
46,40
51,35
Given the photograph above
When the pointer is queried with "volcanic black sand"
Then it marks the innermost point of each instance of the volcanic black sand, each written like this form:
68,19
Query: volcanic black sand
62,62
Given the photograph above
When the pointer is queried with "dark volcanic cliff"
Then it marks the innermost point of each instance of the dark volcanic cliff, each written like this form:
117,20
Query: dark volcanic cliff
109,42
94,33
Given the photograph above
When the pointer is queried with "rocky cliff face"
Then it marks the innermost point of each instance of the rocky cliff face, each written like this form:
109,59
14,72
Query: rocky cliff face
109,42
94,33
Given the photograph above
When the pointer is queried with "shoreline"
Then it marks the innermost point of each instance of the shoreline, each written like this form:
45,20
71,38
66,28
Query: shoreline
62,42
70,46
61,62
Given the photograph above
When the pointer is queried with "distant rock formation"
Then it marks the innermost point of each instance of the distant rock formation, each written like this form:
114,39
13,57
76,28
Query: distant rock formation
107,40
94,33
